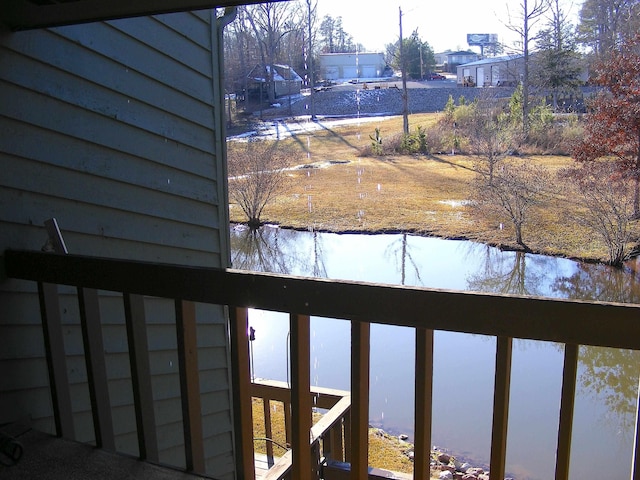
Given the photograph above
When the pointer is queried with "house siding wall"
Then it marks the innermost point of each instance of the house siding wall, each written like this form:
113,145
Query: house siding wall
111,128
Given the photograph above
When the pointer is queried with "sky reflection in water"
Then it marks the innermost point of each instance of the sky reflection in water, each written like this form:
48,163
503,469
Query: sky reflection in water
464,364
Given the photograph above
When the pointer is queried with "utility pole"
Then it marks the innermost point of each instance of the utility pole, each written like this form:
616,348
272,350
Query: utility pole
405,97
310,61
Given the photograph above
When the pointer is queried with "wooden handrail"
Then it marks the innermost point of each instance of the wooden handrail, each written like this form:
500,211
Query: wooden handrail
279,391
571,322
533,318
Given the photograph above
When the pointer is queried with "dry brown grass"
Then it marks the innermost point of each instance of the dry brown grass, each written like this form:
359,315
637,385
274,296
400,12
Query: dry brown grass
420,194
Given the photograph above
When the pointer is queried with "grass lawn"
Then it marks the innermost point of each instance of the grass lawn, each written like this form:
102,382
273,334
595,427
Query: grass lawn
341,191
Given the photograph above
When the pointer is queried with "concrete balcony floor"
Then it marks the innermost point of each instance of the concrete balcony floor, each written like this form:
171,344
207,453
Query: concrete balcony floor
46,456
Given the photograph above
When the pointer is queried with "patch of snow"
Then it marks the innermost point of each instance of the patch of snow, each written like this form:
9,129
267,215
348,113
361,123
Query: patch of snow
455,203
301,125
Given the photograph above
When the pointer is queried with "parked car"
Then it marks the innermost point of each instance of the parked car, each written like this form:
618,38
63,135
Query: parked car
436,76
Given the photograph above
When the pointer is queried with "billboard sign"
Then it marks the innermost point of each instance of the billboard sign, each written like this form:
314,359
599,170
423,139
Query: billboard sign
480,39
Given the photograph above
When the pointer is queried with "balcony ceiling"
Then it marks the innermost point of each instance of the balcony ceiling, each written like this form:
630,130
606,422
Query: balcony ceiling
29,14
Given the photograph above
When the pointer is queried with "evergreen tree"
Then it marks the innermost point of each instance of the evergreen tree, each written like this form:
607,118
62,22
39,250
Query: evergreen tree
419,56
605,23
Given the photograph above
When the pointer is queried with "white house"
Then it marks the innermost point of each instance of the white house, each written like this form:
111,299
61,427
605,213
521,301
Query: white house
497,71
347,66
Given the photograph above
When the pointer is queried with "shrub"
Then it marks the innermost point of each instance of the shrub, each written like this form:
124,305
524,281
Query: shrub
376,142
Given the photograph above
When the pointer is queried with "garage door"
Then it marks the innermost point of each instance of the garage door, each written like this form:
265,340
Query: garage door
369,71
349,72
480,77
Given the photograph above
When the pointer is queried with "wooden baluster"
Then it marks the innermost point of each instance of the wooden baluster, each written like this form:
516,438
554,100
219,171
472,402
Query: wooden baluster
241,379
300,396
288,431
316,468
337,442
423,402
187,340
327,443
56,359
500,406
347,436
635,466
141,376
96,367
266,407
54,342
360,343
567,401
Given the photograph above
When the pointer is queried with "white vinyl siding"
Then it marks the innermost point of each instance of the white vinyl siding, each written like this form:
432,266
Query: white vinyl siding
110,128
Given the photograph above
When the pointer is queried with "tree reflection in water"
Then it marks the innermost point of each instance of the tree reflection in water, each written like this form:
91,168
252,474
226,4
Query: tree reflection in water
611,376
276,250
508,272
400,251
608,373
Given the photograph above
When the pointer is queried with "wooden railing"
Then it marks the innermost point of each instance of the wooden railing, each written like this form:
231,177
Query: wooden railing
327,434
572,323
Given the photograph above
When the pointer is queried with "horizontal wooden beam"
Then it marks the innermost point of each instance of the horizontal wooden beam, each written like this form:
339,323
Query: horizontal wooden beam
280,391
28,14
566,321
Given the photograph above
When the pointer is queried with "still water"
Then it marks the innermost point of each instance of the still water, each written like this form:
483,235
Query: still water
464,364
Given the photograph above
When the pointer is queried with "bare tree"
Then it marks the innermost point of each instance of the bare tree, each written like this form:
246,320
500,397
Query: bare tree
528,15
607,198
557,66
517,187
270,22
241,55
492,134
257,171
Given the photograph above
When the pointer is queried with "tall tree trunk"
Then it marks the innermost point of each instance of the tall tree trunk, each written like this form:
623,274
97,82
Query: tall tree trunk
405,95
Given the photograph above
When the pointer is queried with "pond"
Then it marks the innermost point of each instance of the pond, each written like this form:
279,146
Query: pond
464,364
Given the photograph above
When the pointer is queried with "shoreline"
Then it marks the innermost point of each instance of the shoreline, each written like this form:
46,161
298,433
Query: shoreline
442,459
505,247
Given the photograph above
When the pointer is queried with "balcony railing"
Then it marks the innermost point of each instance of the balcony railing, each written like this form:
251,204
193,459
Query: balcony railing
327,434
572,323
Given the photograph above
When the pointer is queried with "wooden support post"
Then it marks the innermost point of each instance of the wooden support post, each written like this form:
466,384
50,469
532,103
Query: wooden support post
423,403
360,343
141,376
56,359
241,379
500,406
300,396
187,337
96,368
567,402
